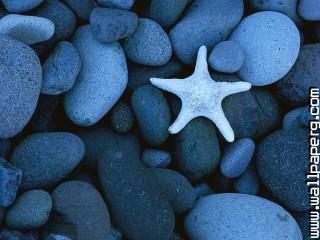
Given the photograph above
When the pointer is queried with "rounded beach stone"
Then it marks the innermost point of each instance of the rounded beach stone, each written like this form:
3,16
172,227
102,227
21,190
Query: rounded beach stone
122,117
267,61
10,180
180,192
121,4
248,182
27,29
202,190
309,10
294,87
196,149
226,56
20,80
236,157
31,210
79,212
109,25
156,158
206,22
61,69
167,12
103,65
53,236
139,208
228,215
292,119
19,6
149,44
46,158
81,8
282,162
152,113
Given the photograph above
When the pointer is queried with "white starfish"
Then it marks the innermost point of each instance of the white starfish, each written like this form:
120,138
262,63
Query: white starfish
201,96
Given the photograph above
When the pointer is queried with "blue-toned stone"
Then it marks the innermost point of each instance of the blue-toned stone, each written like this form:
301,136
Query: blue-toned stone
303,220
81,8
221,183
27,29
140,75
139,208
61,69
20,77
305,117
293,118
282,158
202,190
115,234
19,6
103,65
5,148
122,117
156,158
7,234
53,236
309,10
227,57
152,113
206,22
248,182
267,61
109,25
180,192
294,87
79,212
10,180
167,12
31,210
46,158
236,157
228,215
121,4
149,44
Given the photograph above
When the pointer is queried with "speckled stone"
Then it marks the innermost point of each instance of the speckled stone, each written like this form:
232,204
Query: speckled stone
156,158
60,69
31,210
149,44
228,215
282,158
20,77
309,10
46,158
121,4
122,117
19,6
293,118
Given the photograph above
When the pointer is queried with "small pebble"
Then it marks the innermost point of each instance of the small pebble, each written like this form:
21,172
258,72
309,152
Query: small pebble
122,117
81,8
152,113
52,236
309,10
61,69
6,234
237,157
180,192
305,117
19,6
116,234
154,158
292,118
27,29
248,182
10,180
227,57
149,44
229,215
121,4
202,190
46,158
120,24
266,61
31,210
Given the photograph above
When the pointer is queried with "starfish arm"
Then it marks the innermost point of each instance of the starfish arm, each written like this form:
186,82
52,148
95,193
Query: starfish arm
201,64
222,124
175,85
182,120
234,87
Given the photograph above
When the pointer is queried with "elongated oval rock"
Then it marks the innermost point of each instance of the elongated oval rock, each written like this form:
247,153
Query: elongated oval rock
153,114
206,22
267,61
121,4
101,81
27,29
46,158
18,6
61,69
138,206
79,212
20,81
235,216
